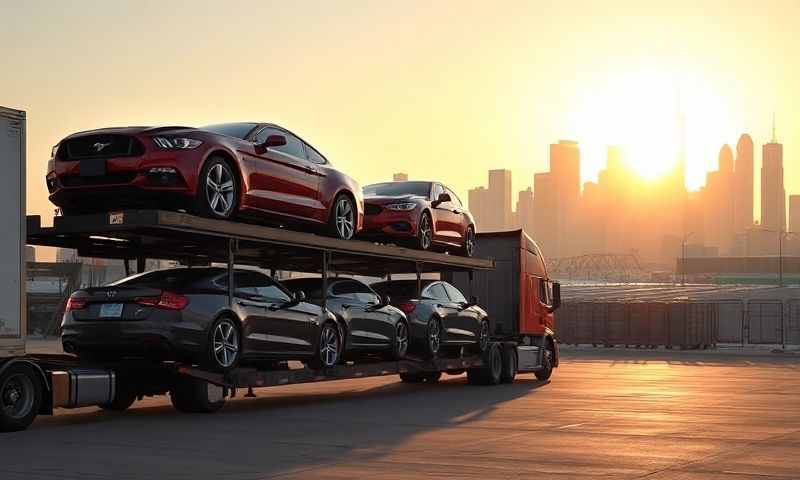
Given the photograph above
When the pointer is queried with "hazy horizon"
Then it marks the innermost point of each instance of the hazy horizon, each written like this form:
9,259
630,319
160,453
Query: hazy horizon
445,91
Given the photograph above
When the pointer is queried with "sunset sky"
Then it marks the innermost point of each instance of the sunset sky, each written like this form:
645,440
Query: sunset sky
443,90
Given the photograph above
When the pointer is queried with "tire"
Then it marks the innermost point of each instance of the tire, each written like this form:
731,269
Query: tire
433,338
342,224
468,249
190,395
433,377
20,397
124,397
547,366
510,362
225,334
483,336
401,339
424,240
490,372
329,348
217,190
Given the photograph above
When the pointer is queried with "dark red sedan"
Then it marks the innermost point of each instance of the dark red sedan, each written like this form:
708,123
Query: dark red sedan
258,171
421,214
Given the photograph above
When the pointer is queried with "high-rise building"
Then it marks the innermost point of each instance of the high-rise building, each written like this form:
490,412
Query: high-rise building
524,213
545,207
565,171
478,199
743,197
794,214
400,177
773,195
500,199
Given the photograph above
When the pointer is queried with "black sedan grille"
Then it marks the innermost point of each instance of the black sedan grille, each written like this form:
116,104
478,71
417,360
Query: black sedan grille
116,179
100,146
371,209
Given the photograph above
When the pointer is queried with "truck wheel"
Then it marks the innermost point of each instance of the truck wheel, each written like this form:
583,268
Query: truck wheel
491,370
190,395
547,366
509,364
20,398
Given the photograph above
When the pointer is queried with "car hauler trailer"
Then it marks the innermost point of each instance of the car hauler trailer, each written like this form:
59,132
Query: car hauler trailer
37,384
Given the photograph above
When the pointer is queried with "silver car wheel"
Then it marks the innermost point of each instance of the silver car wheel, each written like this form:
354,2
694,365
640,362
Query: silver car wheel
425,232
344,217
220,190
483,338
329,346
434,340
226,343
401,339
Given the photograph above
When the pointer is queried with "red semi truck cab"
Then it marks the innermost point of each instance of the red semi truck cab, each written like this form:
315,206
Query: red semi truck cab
518,294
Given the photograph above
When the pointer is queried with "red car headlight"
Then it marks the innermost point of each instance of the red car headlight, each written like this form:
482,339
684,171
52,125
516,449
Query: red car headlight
402,207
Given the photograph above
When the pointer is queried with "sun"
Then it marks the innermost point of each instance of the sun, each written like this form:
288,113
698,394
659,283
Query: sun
654,116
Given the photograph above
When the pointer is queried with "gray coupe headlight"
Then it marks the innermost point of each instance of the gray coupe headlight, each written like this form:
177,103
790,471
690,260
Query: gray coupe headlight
403,207
177,143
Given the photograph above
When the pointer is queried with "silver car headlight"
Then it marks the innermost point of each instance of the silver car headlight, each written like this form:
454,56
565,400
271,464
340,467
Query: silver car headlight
403,207
177,143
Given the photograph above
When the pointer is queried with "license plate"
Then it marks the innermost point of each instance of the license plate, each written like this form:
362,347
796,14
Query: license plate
95,167
111,310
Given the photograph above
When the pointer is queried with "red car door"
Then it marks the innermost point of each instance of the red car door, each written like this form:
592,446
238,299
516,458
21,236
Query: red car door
446,217
283,180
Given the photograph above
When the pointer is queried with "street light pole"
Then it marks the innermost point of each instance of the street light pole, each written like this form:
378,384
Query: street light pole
683,257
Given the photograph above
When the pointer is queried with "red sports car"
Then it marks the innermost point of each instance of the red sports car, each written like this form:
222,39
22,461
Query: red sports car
423,214
258,171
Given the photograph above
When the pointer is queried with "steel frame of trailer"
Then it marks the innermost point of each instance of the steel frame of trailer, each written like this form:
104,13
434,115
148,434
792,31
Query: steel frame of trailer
142,234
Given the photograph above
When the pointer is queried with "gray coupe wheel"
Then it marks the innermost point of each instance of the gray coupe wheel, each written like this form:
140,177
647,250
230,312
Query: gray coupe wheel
329,348
483,336
400,347
469,242
434,337
343,218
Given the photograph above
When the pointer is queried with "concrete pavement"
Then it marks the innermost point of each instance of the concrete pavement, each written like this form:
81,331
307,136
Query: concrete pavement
671,416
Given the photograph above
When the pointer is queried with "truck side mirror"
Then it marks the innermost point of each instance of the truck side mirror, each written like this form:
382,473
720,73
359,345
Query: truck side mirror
556,295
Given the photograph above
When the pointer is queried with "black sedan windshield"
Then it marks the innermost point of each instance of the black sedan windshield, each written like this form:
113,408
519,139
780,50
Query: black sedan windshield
238,130
394,189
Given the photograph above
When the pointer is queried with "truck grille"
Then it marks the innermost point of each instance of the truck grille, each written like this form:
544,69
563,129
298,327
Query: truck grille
100,146
116,179
371,209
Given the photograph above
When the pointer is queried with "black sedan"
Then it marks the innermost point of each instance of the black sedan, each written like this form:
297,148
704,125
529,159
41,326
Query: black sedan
370,323
440,317
184,314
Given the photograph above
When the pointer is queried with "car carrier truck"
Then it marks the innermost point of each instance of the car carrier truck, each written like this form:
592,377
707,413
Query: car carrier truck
38,384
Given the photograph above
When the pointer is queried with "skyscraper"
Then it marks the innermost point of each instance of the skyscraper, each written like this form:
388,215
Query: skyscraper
524,212
773,194
794,214
743,197
478,199
545,207
500,199
565,170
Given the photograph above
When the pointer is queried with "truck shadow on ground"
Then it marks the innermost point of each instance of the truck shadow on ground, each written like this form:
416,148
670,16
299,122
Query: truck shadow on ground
284,429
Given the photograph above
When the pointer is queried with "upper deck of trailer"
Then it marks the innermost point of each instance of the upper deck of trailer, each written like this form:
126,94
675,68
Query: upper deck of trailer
189,239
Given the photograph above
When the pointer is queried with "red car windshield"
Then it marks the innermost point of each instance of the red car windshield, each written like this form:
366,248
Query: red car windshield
396,189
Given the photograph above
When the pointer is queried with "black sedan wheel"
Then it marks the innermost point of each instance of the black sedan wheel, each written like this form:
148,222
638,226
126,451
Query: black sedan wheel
217,192
329,349
225,345
400,346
